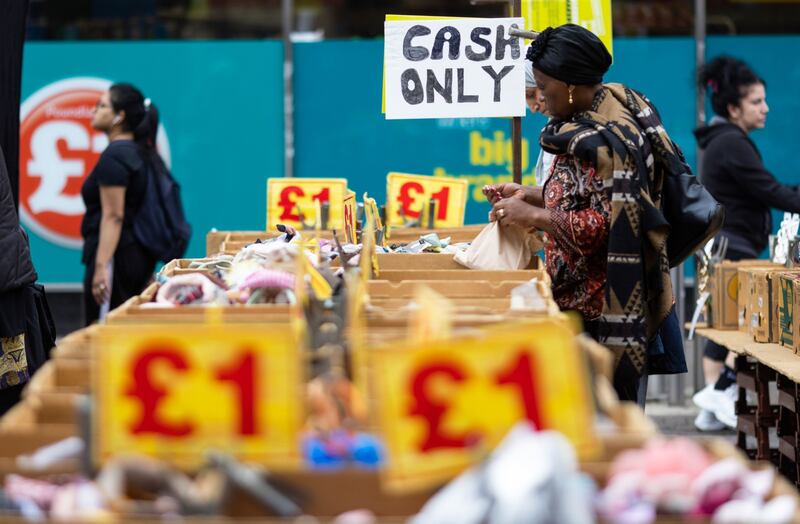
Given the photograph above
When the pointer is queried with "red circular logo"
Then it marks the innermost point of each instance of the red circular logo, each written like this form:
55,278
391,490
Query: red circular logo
58,150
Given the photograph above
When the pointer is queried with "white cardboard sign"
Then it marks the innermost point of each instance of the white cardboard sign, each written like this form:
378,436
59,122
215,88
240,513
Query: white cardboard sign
471,68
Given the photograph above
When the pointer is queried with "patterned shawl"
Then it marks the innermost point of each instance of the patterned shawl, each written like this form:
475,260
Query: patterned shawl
622,136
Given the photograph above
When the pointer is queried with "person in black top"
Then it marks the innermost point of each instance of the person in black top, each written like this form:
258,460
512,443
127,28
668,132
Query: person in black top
734,173
117,265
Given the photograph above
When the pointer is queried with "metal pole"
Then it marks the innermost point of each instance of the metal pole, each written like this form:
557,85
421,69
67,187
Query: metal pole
700,60
288,88
700,111
678,386
516,122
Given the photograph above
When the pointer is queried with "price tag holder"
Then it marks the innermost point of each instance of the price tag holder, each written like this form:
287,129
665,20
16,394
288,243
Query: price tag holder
407,196
435,400
289,198
350,217
175,392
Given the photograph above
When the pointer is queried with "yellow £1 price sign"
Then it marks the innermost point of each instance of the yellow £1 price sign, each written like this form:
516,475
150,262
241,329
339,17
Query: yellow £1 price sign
291,199
174,392
439,398
407,195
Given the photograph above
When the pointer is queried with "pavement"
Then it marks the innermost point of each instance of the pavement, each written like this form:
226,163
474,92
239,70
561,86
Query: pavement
679,421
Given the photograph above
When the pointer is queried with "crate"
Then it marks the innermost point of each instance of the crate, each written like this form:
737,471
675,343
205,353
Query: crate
755,421
76,345
230,242
65,376
138,310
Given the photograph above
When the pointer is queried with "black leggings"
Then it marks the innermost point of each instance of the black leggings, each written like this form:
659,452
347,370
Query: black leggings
133,270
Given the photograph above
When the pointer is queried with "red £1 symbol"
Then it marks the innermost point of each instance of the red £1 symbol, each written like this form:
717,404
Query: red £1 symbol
323,196
406,200
150,395
520,375
288,203
442,200
243,376
433,412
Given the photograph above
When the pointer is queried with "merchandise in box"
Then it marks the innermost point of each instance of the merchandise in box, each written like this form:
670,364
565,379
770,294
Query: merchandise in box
764,303
724,288
788,298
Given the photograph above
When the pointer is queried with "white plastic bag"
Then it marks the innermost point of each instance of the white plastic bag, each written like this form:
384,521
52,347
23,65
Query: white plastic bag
497,247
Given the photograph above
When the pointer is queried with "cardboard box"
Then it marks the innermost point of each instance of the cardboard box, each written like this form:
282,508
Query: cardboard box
138,310
788,303
399,275
764,315
231,242
724,285
744,289
760,304
386,261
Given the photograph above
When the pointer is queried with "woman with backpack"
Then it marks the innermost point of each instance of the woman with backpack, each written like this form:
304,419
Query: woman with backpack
606,237
118,266
734,173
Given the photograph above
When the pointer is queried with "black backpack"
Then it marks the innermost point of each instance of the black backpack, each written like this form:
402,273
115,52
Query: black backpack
160,225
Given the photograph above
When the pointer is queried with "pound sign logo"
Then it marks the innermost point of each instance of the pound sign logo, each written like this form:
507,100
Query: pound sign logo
58,150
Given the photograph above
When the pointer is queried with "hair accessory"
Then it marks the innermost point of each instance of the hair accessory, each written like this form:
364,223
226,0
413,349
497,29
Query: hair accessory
712,84
537,46
147,104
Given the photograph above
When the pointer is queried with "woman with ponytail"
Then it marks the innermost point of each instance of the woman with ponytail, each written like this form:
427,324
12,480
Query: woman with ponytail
734,173
117,265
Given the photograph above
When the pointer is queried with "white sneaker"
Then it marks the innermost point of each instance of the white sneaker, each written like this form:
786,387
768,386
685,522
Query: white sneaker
720,403
706,421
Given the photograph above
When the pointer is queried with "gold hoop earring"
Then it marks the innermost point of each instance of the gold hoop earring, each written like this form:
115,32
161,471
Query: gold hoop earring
570,95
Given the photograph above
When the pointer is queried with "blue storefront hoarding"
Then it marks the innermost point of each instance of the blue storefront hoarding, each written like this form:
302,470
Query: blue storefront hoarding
221,106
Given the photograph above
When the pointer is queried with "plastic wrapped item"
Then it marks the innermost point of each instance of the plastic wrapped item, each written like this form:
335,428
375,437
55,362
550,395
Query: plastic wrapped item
531,478
342,448
497,247
40,492
217,264
679,477
52,455
268,279
787,232
274,255
80,501
194,288
754,511
527,297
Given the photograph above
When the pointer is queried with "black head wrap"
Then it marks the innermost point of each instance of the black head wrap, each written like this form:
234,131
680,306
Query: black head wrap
571,54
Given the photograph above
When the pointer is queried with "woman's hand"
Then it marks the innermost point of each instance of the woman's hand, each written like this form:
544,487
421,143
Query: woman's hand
101,287
531,195
514,211
500,191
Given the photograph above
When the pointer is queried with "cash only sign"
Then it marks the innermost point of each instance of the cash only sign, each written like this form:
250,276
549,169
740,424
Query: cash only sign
454,68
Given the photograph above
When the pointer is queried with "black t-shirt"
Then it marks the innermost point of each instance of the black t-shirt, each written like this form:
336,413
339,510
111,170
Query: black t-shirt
121,164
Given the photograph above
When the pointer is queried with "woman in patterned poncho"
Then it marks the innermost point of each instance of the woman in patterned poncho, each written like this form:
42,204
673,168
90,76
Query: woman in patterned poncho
600,208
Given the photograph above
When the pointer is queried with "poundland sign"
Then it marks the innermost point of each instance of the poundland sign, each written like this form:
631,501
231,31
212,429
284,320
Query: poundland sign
454,69
58,150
